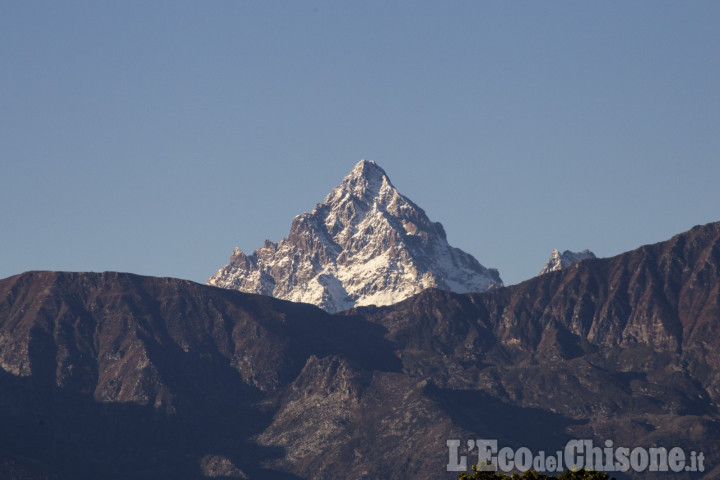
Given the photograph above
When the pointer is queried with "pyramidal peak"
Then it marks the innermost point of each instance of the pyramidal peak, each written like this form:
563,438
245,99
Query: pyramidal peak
366,244
364,183
367,170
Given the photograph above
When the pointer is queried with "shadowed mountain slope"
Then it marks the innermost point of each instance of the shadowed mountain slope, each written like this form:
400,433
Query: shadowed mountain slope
120,376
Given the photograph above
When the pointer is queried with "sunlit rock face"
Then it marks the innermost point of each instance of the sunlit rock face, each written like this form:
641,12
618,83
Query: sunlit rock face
366,244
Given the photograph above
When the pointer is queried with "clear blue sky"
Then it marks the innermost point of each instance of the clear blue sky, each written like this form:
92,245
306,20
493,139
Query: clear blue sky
155,136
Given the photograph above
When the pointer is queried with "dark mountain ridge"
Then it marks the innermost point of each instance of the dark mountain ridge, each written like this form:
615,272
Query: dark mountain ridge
91,360
120,376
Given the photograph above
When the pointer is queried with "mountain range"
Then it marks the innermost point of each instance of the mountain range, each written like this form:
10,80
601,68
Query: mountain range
366,244
115,376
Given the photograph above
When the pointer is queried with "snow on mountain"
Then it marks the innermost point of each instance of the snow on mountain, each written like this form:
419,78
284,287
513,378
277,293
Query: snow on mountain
366,244
559,260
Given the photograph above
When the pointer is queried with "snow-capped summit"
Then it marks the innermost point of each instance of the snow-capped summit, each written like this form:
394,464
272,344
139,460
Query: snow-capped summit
558,261
366,244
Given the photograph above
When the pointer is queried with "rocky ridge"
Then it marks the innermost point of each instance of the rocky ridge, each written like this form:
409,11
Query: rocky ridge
120,376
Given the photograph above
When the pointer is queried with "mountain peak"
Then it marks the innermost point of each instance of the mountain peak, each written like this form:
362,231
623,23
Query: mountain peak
367,169
366,244
365,182
558,261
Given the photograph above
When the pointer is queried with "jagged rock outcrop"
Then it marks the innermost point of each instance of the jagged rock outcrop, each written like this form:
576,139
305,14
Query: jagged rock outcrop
558,261
366,244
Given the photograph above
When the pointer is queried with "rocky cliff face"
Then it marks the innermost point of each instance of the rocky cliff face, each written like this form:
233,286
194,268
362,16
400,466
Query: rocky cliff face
366,244
120,376
558,261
